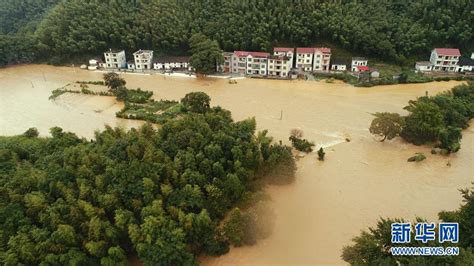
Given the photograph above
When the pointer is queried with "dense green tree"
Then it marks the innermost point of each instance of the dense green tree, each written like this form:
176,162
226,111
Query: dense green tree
161,194
196,102
388,125
31,132
424,122
60,31
206,54
114,81
372,247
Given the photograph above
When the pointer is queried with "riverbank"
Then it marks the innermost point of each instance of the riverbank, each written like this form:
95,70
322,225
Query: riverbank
331,201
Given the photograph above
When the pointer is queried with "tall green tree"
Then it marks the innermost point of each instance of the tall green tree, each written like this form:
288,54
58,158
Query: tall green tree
206,54
387,125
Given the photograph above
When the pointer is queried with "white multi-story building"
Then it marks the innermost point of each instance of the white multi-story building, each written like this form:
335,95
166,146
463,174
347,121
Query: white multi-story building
250,63
171,62
304,58
143,59
115,59
279,66
285,51
322,59
445,59
358,63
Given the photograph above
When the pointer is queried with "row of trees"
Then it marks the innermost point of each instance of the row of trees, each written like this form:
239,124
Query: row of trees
385,29
438,119
160,194
372,247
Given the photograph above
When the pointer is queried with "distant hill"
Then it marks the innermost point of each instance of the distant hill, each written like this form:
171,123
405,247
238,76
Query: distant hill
60,30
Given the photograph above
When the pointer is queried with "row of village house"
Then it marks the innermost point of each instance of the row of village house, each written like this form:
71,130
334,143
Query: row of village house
280,63
143,60
284,60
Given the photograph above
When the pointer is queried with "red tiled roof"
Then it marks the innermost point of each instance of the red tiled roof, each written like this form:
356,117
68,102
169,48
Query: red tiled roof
323,50
448,51
254,54
363,68
283,49
305,50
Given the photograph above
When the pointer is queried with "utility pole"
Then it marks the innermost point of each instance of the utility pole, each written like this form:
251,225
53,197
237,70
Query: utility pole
281,114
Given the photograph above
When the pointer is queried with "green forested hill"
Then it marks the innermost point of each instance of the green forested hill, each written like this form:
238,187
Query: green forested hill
390,30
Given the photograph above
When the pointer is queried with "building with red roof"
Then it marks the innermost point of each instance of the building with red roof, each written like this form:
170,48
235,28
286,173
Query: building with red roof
304,58
285,51
362,68
322,59
250,63
445,59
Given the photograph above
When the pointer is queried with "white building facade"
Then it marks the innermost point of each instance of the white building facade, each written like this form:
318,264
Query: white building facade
279,66
285,51
358,62
445,59
115,59
304,58
143,59
322,59
423,66
171,62
249,63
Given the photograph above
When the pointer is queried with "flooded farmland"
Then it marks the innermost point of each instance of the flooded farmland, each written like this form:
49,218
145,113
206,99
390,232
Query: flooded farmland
330,202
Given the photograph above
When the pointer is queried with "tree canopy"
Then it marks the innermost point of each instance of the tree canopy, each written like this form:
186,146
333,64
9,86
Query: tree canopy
437,119
372,247
62,30
160,194
206,54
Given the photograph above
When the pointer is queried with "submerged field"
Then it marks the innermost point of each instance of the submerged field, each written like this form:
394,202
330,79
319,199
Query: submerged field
331,201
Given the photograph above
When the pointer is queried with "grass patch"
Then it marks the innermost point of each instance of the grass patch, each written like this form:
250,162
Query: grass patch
56,93
158,112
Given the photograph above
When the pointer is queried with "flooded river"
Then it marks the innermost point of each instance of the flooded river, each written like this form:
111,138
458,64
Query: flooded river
331,201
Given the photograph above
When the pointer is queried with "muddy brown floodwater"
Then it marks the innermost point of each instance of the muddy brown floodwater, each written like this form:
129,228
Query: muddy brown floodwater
331,201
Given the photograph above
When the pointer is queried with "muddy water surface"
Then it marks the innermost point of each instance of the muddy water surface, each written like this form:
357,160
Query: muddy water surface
331,201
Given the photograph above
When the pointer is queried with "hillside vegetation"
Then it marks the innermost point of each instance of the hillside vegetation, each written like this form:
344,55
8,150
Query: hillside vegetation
390,30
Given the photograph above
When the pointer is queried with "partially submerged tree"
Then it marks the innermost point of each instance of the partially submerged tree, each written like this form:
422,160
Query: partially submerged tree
113,80
321,154
387,125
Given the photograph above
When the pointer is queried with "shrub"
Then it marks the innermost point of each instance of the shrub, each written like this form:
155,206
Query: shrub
417,158
301,144
388,125
196,102
32,132
321,154
237,228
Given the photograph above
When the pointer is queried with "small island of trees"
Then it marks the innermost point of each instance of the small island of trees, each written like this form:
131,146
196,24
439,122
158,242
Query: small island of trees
438,119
